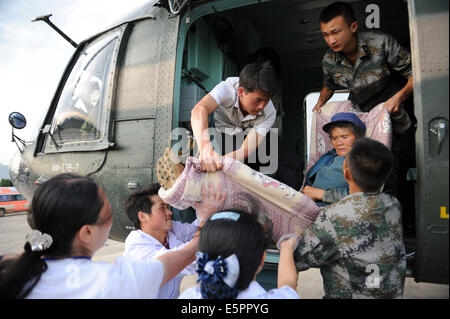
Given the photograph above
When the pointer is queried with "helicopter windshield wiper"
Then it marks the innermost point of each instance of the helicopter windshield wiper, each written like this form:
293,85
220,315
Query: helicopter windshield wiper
46,130
46,19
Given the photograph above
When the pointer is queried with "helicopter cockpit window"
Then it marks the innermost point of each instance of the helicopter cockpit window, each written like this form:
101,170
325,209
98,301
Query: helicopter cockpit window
80,112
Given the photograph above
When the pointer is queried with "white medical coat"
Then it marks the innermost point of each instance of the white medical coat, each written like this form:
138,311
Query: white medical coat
140,246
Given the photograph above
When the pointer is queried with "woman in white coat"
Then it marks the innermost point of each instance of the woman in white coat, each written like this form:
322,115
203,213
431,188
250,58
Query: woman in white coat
71,219
231,254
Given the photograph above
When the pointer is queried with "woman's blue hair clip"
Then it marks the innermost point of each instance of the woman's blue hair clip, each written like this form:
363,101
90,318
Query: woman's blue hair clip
217,270
226,215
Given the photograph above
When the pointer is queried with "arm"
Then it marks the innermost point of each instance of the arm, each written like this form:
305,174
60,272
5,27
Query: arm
316,194
287,273
398,98
318,245
325,95
210,160
175,261
256,135
212,200
329,84
250,144
329,196
399,59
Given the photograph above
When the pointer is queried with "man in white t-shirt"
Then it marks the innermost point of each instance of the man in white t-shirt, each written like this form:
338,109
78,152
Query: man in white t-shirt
239,104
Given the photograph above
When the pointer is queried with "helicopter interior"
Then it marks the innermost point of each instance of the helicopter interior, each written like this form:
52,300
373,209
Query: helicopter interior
218,45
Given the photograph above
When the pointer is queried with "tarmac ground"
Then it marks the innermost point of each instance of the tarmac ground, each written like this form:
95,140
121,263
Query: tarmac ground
14,229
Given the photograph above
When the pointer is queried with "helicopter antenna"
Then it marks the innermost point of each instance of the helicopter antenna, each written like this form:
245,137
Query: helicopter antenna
46,19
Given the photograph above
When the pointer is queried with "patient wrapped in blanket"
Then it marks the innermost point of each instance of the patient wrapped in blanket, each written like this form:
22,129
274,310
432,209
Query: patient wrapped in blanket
286,207
378,124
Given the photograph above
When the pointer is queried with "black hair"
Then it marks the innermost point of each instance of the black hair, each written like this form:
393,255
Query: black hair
259,76
267,54
247,238
338,9
60,207
140,201
345,124
370,163
252,205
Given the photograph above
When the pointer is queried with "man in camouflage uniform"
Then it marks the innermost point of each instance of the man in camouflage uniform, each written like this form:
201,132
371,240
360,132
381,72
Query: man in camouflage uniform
371,66
357,242
366,63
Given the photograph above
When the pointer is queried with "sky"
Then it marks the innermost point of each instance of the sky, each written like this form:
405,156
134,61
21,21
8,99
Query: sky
33,56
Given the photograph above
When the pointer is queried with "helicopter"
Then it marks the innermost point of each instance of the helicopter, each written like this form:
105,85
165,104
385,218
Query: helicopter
127,88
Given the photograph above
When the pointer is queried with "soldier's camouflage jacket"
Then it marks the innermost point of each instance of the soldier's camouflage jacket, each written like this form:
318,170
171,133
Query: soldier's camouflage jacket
370,80
358,245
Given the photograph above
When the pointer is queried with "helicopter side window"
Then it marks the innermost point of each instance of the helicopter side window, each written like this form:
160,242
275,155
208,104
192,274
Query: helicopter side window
79,115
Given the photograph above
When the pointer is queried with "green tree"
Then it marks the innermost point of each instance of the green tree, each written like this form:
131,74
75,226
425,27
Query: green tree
6,182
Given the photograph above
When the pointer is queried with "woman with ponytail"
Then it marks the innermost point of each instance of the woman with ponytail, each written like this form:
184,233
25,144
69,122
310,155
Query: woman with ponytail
232,252
70,217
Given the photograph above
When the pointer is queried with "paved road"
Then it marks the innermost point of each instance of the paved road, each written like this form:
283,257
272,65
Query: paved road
14,229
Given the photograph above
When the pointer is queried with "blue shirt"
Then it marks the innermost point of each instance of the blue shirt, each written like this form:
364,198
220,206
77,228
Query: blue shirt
331,176
328,174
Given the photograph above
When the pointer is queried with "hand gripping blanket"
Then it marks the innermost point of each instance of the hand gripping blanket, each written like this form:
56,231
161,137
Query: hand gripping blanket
286,207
